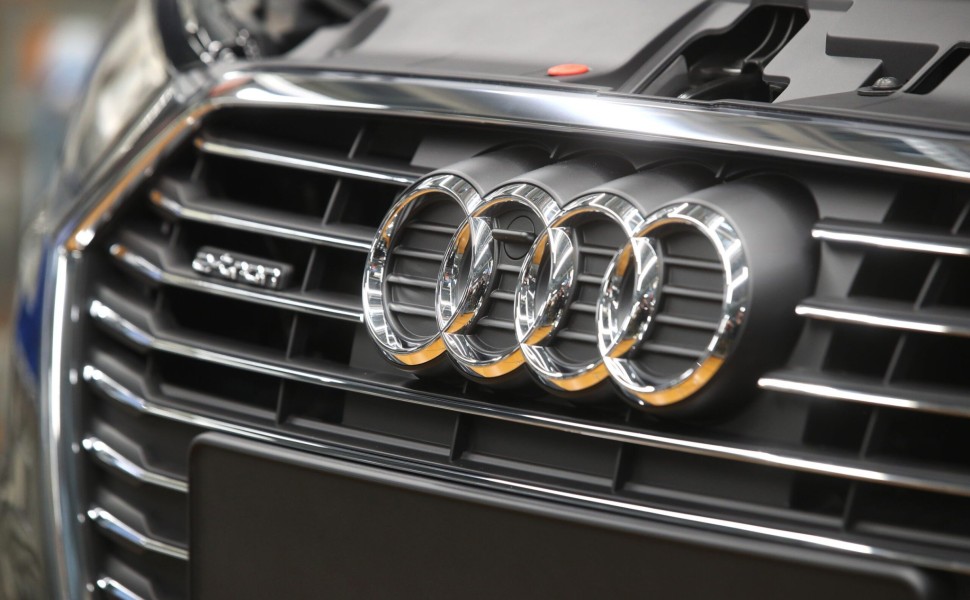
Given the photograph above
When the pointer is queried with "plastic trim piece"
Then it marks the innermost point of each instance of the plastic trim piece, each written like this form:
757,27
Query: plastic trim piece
113,588
118,529
893,238
115,461
306,162
886,315
335,236
832,387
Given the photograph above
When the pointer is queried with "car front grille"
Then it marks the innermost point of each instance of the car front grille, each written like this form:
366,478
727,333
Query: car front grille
861,438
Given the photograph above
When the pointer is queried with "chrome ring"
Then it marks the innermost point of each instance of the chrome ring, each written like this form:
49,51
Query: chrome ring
470,264
397,344
541,306
620,337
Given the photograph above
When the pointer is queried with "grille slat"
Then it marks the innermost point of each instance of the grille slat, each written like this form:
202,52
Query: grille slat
317,161
674,290
115,589
892,315
686,322
893,237
411,281
692,263
671,350
427,255
340,306
586,278
174,198
114,460
411,309
117,529
851,389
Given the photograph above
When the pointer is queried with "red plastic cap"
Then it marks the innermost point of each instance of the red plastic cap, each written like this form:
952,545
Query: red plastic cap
565,70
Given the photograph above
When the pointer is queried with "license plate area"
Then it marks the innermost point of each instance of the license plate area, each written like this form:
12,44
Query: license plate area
270,522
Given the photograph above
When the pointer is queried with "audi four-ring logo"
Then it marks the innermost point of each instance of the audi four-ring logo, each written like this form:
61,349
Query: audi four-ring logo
631,290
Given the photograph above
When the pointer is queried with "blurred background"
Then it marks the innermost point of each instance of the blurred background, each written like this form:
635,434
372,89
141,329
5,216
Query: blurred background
46,48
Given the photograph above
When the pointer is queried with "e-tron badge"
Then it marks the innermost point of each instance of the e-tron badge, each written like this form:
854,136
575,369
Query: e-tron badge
241,268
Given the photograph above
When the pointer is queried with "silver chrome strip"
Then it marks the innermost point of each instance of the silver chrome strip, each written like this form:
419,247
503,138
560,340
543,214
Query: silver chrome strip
115,461
118,529
112,389
890,237
875,314
328,236
837,467
818,385
113,588
813,138
306,162
60,493
302,303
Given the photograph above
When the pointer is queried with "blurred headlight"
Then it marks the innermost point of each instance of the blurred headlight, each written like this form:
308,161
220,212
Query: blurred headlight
129,73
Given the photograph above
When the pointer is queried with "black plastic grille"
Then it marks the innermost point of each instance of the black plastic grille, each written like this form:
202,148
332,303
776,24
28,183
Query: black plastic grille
414,264
161,351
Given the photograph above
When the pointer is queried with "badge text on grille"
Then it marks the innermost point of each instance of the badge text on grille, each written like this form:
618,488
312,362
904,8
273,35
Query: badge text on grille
241,268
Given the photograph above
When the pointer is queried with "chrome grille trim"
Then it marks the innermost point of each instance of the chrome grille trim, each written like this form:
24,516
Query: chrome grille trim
887,315
833,387
115,589
115,461
327,235
890,237
116,391
190,97
811,138
300,302
331,165
839,467
118,529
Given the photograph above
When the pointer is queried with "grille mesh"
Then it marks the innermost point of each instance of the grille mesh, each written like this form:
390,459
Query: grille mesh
164,347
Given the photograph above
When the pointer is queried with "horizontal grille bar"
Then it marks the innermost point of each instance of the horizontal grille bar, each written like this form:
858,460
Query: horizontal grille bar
833,387
891,315
115,589
331,164
115,461
671,350
417,253
345,379
405,308
118,529
693,263
591,279
688,322
338,306
604,251
412,281
891,237
173,198
675,290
